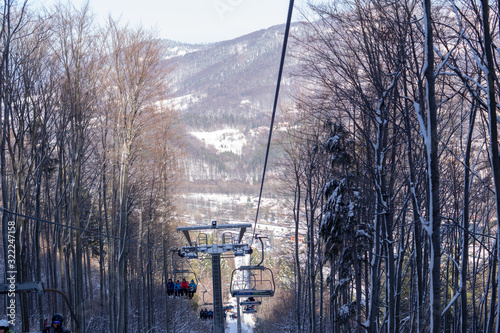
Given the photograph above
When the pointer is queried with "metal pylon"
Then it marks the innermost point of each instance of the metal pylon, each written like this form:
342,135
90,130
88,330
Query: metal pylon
238,318
215,250
217,289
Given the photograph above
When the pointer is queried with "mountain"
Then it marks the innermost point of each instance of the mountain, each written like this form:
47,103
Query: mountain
224,93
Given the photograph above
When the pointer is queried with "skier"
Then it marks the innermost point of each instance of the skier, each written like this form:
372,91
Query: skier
57,325
4,326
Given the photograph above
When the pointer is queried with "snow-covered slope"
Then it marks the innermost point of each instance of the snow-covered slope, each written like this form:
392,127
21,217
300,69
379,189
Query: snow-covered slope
224,93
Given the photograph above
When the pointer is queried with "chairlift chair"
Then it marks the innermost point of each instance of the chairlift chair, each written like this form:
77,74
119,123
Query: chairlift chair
226,306
257,281
203,299
180,274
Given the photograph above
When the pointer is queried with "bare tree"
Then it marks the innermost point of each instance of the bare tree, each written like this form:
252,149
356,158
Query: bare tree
137,80
77,50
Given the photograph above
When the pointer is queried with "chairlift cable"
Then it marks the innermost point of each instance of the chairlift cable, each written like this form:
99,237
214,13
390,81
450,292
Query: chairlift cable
283,53
96,233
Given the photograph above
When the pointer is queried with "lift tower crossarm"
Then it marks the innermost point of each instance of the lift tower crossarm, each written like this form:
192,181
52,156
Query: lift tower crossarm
242,226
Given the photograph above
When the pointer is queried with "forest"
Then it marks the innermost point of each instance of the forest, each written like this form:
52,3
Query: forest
89,160
393,151
389,162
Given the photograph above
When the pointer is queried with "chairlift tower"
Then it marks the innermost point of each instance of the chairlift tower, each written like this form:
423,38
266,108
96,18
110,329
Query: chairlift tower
229,244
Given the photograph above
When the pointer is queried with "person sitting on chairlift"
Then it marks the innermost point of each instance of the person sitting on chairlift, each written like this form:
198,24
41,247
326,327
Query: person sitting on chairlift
57,325
177,289
249,308
192,289
203,314
184,287
170,287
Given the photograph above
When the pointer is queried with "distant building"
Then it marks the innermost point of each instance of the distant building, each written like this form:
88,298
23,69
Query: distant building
301,238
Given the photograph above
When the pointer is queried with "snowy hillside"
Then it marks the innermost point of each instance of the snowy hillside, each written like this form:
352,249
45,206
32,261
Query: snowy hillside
224,93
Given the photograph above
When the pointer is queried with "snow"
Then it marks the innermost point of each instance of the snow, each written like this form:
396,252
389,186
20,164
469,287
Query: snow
258,131
342,283
226,140
344,310
176,51
326,217
232,325
239,48
180,51
332,142
221,199
362,233
351,209
182,103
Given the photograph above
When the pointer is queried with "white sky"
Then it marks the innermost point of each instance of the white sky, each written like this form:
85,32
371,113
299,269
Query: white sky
196,21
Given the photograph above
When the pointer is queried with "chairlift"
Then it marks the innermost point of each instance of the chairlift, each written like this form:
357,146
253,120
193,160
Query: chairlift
257,281
203,299
226,306
176,271
187,274
181,274
253,281
36,286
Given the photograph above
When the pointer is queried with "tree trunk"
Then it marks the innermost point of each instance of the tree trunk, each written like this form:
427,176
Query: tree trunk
465,224
492,119
122,318
296,213
433,175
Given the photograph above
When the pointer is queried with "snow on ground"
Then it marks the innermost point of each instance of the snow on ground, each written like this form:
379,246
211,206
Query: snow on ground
223,200
219,198
182,50
232,325
181,103
176,51
226,140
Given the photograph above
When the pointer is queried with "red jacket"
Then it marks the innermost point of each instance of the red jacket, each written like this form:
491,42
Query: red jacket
184,285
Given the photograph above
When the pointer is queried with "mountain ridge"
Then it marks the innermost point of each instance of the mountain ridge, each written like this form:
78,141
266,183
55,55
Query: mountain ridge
227,87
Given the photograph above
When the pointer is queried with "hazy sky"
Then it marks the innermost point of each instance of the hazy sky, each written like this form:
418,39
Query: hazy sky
196,21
